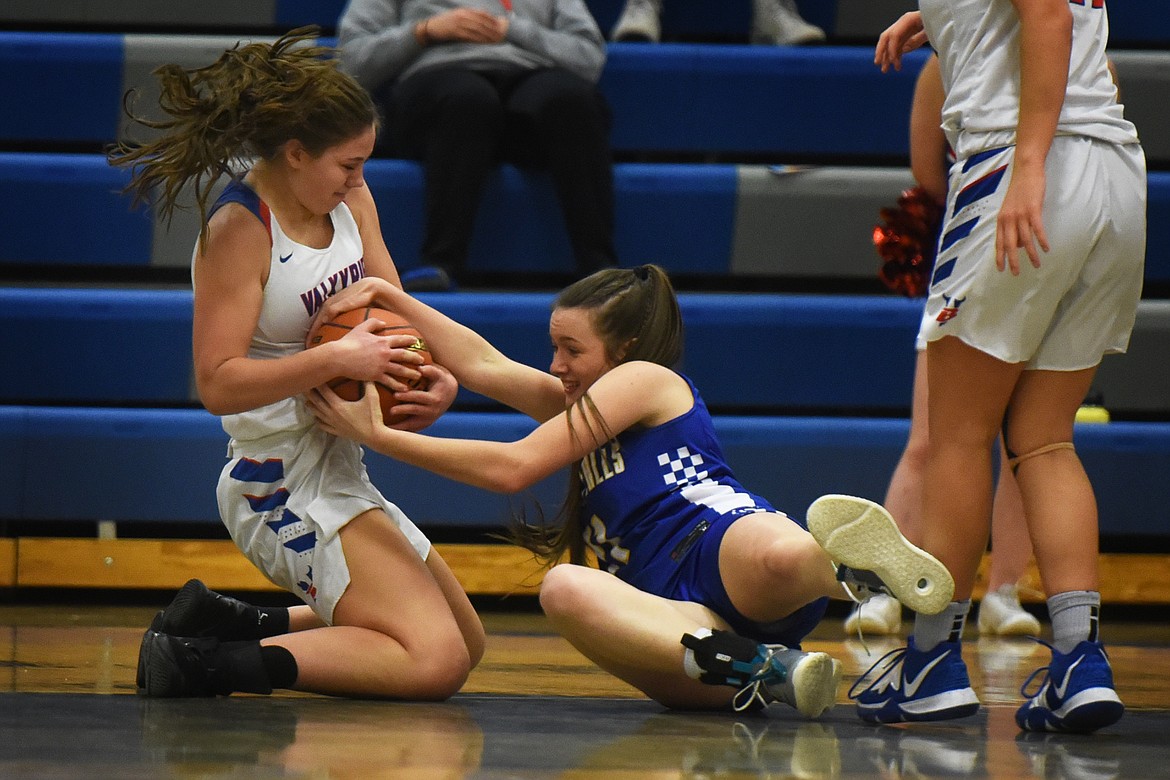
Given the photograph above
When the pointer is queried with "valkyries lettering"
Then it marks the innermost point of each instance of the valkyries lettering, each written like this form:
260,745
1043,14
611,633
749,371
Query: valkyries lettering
312,299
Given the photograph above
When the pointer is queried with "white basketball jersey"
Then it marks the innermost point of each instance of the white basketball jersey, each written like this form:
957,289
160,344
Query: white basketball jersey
978,42
300,278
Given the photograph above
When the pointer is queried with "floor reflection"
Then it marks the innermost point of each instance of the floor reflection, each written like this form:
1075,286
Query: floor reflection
534,709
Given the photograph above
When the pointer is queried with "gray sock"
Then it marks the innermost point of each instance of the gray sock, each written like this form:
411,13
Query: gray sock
946,626
1074,616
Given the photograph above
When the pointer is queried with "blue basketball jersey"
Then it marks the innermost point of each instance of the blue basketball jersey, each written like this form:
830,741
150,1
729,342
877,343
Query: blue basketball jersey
650,494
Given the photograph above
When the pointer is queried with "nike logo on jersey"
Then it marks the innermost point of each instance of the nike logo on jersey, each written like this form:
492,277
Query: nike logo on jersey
286,258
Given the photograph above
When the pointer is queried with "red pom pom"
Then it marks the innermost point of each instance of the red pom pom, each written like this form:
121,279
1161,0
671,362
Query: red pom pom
907,242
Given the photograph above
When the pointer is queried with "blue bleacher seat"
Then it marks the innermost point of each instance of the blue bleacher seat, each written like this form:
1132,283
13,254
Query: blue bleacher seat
705,220
780,352
160,466
132,346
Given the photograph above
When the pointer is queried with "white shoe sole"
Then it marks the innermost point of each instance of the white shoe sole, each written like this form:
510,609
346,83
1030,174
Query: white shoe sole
861,534
815,681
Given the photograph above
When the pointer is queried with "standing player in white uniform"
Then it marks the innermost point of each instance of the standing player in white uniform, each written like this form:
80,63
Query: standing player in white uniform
1038,275
383,614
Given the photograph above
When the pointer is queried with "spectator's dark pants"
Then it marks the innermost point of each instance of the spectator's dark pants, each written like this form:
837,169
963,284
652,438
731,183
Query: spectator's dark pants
461,123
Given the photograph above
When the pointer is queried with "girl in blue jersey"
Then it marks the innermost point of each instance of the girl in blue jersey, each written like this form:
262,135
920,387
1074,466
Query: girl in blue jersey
698,580
383,615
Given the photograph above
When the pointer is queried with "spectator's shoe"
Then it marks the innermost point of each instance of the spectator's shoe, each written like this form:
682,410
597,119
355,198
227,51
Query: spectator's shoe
427,278
779,22
763,673
1000,614
1076,695
872,556
910,685
879,615
640,22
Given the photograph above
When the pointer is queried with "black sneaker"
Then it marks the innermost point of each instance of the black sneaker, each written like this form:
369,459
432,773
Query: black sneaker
196,610
172,667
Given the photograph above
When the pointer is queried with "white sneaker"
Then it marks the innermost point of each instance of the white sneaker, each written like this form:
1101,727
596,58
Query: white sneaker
881,615
810,682
779,22
1000,614
639,22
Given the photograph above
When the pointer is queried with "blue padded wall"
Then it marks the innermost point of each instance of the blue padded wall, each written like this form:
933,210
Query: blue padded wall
125,346
67,209
162,465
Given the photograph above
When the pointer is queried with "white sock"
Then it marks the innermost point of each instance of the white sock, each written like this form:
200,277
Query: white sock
690,665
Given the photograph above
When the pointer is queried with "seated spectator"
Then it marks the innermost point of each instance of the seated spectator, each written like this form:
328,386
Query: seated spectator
466,85
775,22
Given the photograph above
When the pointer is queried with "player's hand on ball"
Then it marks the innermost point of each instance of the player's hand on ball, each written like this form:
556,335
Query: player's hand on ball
357,420
417,409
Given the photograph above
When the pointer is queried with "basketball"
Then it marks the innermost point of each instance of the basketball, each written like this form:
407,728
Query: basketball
393,325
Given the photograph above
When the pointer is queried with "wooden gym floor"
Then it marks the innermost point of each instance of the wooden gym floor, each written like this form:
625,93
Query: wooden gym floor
533,709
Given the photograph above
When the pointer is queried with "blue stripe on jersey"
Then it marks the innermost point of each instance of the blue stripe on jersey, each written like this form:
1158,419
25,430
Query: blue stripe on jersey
979,189
287,518
943,270
302,543
237,191
248,470
957,234
268,502
975,159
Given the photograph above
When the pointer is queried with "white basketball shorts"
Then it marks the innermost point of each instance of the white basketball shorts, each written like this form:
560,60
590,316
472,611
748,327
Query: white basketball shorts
284,499
1082,301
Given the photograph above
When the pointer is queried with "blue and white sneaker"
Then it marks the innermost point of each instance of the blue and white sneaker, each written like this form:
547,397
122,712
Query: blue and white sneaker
1077,693
910,685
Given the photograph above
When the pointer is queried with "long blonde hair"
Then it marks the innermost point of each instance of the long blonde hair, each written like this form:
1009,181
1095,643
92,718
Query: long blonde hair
246,104
636,314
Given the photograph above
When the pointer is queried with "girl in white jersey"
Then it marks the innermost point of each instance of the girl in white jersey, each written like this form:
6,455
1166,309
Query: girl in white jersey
702,591
1038,275
383,614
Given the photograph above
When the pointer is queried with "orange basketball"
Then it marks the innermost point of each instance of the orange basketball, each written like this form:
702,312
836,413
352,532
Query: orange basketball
392,325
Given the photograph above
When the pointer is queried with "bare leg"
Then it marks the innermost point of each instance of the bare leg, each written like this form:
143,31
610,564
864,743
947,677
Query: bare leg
772,567
904,494
969,391
631,634
1059,503
1011,549
395,633
302,618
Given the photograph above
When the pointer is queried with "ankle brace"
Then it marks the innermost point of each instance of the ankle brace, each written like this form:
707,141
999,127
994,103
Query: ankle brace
723,657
